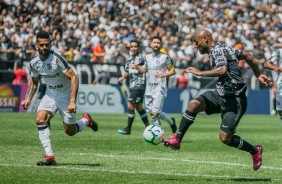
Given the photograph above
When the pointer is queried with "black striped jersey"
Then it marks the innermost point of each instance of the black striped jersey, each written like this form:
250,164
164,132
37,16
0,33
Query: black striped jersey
136,79
231,84
51,71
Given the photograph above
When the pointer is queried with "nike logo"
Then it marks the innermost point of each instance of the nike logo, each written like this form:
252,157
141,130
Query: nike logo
224,126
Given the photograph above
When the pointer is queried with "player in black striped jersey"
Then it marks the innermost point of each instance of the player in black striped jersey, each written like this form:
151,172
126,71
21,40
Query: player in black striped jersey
137,84
229,98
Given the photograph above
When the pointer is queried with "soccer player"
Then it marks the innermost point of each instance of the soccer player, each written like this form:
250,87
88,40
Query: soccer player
61,91
229,99
136,87
275,63
159,67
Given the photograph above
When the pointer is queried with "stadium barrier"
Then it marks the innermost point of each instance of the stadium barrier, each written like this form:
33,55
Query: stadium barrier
112,99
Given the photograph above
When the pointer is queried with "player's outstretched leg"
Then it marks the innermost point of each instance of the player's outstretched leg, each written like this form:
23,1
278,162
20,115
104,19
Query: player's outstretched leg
173,142
91,122
257,158
47,161
173,126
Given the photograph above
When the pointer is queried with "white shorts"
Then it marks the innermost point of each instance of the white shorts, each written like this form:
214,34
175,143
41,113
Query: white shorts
154,103
50,104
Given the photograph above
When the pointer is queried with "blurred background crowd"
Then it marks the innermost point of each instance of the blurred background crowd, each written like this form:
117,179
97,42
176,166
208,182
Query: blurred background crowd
100,30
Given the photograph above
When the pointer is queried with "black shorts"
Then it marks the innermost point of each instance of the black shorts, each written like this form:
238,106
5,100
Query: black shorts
136,96
231,109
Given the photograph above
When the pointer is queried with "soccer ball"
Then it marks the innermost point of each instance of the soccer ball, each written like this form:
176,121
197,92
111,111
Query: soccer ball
154,134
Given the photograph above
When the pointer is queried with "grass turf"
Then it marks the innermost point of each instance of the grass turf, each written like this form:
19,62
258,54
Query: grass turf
108,157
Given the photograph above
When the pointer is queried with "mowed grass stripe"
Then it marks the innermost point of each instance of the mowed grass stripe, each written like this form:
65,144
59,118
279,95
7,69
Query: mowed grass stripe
130,157
143,172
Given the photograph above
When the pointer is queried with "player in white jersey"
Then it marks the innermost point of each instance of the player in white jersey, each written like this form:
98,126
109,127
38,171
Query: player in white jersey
275,63
61,85
159,67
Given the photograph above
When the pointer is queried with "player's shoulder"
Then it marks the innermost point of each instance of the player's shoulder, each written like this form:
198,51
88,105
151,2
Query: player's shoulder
35,59
219,46
141,56
149,55
164,51
58,55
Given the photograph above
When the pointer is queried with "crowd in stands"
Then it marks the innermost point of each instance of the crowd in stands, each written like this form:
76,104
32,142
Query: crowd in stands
100,30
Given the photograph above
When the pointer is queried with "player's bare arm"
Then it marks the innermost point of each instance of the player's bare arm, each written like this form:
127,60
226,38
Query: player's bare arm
252,62
269,65
125,75
31,91
74,89
171,71
139,68
217,72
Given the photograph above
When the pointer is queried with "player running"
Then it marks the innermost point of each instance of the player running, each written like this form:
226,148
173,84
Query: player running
136,87
275,63
159,67
229,99
61,85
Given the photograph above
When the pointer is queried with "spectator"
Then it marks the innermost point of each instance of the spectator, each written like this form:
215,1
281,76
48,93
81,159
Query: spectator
98,53
257,25
104,76
20,75
86,53
182,80
4,48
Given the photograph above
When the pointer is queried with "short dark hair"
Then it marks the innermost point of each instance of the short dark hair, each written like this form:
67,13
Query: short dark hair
156,37
135,41
42,35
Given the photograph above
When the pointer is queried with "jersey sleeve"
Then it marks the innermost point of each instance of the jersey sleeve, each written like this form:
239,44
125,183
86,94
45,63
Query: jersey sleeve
33,72
219,57
238,53
169,63
62,63
126,66
274,58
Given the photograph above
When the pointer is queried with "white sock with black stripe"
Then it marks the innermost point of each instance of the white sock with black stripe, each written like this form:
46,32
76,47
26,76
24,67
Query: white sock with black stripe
44,136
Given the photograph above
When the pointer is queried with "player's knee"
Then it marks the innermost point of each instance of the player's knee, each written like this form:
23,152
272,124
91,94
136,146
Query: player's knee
40,121
225,139
70,132
154,114
193,105
70,129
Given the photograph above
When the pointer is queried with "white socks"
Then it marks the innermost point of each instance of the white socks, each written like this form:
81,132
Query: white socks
165,117
81,124
44,136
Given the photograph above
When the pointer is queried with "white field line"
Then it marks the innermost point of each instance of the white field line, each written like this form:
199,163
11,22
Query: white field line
176,160
143,172
168,159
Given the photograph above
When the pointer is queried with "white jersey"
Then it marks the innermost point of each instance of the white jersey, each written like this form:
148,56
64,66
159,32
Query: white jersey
51,71
276,58
157,64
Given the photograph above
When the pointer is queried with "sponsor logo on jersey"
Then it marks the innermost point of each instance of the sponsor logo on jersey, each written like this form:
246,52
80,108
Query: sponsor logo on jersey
57,87
51,76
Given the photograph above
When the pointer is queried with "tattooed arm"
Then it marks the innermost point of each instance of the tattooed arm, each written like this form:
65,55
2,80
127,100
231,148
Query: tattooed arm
33,83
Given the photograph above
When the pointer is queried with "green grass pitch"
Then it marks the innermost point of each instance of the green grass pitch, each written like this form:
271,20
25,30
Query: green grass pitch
108,157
